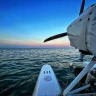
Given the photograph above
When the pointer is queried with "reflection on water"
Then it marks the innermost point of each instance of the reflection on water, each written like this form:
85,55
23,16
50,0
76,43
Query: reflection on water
19,68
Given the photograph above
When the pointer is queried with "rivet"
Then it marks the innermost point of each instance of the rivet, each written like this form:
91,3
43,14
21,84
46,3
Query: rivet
92,5
90,13
88,19
80,20
95,18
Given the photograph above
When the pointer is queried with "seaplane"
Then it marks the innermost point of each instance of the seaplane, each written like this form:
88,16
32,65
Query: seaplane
82,35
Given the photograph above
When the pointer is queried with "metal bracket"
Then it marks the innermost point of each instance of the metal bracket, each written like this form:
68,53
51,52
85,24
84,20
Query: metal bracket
80,76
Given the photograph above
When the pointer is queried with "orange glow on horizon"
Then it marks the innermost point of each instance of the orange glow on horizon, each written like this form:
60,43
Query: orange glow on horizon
53,43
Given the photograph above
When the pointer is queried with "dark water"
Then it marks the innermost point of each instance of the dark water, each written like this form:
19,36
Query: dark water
19,68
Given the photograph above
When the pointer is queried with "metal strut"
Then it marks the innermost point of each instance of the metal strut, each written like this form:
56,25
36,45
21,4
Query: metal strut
80,76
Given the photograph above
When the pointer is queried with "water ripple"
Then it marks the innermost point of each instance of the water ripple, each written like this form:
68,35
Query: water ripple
19,68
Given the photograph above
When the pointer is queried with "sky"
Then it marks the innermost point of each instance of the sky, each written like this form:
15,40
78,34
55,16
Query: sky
27,23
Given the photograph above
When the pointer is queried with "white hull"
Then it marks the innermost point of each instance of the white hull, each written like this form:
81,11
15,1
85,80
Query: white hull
47,83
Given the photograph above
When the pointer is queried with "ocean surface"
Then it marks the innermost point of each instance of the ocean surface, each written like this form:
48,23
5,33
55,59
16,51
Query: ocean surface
19,68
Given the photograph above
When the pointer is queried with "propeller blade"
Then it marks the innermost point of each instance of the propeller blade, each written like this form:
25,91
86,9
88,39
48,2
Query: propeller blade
82,7
55,37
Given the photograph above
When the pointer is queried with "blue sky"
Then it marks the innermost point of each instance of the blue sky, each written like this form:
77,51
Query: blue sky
28,22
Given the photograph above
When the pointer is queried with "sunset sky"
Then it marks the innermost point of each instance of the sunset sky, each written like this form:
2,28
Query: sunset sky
27,23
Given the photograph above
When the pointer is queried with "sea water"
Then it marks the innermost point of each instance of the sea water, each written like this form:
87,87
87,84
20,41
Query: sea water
19,68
